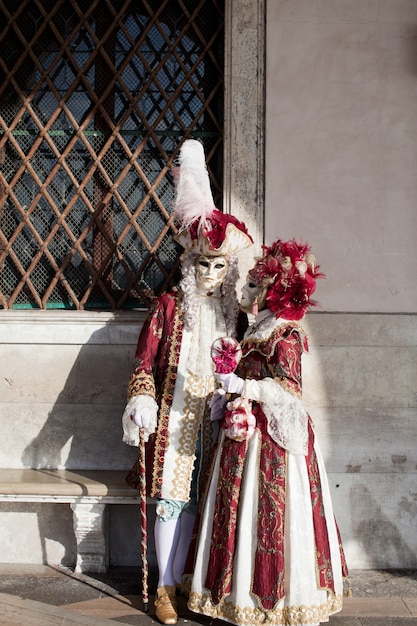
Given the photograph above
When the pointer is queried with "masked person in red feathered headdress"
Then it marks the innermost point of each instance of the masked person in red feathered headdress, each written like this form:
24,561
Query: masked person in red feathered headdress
173,379
269,549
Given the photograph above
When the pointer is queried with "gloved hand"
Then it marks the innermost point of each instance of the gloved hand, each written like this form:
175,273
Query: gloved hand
141,412
231,383
217,404
141,416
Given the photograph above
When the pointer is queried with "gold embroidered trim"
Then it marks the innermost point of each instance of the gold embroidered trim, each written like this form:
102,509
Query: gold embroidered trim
162,433
196,391
247,616
141,384
267,345
287,386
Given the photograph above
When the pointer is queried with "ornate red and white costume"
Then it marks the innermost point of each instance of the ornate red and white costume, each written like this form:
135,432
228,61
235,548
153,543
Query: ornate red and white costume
173,378
268,546
269,550
174,368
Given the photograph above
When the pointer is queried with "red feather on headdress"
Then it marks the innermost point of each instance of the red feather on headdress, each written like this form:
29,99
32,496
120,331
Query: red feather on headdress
288,269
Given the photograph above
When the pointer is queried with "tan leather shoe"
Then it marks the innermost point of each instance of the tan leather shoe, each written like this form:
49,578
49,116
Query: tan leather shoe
166,605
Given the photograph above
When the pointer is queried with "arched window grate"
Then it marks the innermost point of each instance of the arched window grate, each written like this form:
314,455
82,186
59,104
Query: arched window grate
95,100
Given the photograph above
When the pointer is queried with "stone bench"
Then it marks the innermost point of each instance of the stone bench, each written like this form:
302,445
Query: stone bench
87,491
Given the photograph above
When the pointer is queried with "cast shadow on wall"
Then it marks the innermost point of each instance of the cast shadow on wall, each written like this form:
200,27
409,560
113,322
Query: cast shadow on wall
378,533
83,430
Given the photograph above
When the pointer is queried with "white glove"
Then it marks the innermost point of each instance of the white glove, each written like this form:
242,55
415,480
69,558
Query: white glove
231,383
140,412
217,404
141,416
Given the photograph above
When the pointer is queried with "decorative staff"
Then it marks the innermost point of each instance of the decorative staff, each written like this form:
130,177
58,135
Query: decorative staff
144,536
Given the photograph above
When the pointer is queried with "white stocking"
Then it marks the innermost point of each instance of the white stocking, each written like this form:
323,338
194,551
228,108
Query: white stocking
166,541
186,530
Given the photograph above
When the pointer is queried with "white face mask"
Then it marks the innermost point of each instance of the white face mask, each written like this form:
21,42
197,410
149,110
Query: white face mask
250,293
210,272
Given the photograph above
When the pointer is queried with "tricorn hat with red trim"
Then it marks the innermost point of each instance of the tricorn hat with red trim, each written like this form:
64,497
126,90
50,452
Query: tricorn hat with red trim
202,227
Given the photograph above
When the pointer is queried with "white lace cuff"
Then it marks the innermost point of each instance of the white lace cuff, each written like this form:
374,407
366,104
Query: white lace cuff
287,418
130,429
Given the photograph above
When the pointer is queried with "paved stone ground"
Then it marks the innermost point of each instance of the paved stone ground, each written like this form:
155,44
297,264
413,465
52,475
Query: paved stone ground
384,583
49,584
380,597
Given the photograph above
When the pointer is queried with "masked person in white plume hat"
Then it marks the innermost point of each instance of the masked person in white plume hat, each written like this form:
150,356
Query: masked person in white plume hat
173,377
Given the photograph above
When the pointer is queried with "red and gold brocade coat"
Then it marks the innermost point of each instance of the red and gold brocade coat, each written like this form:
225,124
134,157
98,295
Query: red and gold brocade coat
170,369
267,530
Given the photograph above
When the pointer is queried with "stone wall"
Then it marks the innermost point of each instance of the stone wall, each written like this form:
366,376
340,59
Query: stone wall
63,385
339,171
63,380
360,388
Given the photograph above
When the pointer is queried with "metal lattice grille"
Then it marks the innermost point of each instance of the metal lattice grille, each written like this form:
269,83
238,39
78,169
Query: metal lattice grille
95,100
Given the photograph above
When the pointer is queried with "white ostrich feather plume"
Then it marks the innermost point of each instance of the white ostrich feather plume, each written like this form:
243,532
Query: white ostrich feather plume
193,197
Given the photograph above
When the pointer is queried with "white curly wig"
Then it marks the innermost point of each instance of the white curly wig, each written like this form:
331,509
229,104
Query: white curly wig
229,300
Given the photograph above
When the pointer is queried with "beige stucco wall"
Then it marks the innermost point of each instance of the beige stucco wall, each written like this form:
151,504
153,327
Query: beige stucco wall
341,144
340,172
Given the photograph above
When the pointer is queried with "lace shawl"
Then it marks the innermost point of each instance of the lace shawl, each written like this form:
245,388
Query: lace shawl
285,413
